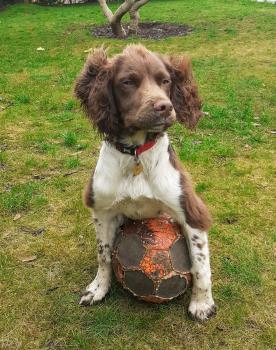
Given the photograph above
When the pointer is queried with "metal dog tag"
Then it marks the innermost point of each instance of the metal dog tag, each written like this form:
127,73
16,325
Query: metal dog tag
137,169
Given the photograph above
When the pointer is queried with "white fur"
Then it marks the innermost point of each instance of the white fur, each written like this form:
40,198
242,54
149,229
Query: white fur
157,189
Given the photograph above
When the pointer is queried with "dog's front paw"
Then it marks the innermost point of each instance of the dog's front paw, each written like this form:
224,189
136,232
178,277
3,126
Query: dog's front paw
202,310
95,292
86,298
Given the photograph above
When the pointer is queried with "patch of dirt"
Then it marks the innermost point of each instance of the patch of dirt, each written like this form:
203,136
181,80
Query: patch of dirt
147,30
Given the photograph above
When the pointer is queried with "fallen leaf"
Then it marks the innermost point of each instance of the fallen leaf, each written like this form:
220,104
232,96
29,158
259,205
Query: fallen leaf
76,290
49,290
29,258
40,49
33,232
38,231
71,173
38,177
7,234
263,185
17,217
76,153
26,229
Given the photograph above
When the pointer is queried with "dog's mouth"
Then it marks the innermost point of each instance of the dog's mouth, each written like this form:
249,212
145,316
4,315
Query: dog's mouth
151,122
158,127
162,125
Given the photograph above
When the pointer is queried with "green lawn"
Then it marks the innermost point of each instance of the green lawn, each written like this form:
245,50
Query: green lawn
47,151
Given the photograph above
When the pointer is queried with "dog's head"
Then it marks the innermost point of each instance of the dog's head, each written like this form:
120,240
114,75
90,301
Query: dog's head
137,90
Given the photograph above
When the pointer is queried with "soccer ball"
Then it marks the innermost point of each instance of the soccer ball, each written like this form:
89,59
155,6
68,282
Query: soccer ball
151,259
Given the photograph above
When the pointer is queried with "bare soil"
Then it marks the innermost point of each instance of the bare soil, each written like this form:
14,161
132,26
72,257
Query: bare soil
147,30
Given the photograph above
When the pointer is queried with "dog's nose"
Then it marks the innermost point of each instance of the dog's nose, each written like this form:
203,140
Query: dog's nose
163,107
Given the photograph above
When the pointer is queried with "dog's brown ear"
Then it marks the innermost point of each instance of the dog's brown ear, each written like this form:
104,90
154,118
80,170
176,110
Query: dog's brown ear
184,93
84,83
94,90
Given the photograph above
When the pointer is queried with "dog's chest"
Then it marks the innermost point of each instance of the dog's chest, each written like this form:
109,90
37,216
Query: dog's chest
136,198
117,189
126,192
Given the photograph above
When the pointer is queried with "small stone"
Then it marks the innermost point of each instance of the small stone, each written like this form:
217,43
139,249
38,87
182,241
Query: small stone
17,217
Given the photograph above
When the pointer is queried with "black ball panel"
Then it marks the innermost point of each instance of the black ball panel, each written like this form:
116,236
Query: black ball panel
138,283
131,243
172,287
180,257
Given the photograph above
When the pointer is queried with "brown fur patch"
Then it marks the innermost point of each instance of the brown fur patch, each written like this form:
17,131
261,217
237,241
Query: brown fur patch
94,89
196,212
184,92
88,195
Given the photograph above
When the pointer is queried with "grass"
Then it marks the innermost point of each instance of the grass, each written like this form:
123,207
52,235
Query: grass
47,151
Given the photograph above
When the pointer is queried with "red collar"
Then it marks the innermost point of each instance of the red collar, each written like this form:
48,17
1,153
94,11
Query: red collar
134,150
146,146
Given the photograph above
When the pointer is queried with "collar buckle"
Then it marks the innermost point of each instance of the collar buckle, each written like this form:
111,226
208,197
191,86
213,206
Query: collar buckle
136,156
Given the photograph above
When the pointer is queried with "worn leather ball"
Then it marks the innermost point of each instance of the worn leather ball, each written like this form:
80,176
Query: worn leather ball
151,259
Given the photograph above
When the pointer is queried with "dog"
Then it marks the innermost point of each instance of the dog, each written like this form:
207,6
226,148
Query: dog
132,99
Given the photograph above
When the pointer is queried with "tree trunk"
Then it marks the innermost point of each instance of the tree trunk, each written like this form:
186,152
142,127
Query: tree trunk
134,22
118,29
106,10
135,17
131,6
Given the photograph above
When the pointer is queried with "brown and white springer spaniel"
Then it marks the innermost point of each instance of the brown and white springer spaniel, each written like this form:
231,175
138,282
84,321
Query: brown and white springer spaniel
132,99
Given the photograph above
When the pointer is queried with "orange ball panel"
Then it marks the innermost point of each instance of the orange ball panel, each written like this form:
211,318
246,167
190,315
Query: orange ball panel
156,264
160,233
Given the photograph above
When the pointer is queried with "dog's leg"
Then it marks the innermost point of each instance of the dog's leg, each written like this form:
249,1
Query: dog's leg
202,305
106,226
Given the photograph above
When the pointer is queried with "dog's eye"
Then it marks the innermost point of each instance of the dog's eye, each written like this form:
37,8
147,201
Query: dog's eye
127,82
166,81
